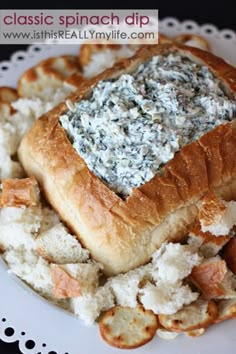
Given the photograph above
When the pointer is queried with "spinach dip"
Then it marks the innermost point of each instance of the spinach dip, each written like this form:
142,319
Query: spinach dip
132,125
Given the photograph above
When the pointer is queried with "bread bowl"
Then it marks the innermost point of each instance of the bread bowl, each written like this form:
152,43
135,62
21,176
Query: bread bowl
122,233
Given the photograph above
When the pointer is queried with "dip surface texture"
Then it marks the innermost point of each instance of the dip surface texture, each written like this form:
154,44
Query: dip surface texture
132,125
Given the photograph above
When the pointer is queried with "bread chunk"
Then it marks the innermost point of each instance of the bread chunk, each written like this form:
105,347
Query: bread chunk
57,245
72,280
49,72
207,244
217,216
8,94
19,193
209,277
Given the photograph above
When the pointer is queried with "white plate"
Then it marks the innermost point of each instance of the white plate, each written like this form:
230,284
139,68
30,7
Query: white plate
53,329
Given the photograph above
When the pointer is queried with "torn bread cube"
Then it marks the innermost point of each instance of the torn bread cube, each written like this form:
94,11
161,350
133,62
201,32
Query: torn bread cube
6,110
166,298
8,167
9,137
207,244
64,286
31,268
128,328
209,276
170,264
35,271
217,216
166,293
173,262
49,219
57,245
9,141
89,306
72,280
19,227
8,94
20,192
126,287
214,279
229,255
226,310
199,314
33,81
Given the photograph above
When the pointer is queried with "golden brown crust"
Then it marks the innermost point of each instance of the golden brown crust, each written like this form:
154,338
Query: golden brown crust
212,209
19,193
44,254
65,64
49,72
207,237
208,277
8,94
123,234
64,285
6,110
74,81
194,38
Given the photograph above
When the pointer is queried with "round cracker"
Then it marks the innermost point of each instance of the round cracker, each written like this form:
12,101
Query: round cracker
197,315
127,328
226,310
